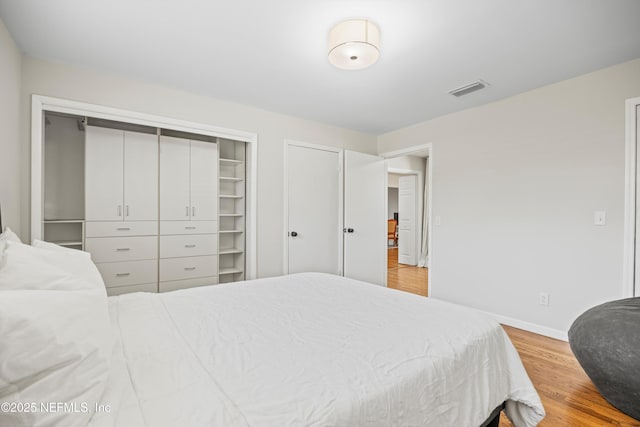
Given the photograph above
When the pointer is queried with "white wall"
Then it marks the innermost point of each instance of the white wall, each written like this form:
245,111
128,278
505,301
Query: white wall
10,69
64,169
411,163
392,201
81,84
516,183
392,180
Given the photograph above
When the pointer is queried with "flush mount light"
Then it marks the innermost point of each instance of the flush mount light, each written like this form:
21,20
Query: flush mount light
354,44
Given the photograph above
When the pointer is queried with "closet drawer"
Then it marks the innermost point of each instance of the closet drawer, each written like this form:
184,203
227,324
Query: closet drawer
188,227
185,284
119,228
188,245
147,287
188,268
128,273
113,249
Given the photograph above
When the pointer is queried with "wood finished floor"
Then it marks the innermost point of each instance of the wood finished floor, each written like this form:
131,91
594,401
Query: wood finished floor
568,395
405,277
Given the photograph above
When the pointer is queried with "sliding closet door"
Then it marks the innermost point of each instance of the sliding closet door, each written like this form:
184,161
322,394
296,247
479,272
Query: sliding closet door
365,218
175,203
204,181
140,177
104,176
313,233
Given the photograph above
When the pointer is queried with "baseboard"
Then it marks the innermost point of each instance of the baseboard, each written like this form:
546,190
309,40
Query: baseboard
530,327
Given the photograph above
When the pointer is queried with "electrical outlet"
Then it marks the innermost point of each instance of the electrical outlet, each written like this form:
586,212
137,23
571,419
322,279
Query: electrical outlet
544,298
599,218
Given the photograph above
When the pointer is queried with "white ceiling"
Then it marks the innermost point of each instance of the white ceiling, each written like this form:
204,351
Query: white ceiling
272,54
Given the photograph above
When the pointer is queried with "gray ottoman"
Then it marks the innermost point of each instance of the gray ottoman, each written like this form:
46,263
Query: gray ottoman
606,342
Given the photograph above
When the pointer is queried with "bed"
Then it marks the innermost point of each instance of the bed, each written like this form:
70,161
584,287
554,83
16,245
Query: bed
308,349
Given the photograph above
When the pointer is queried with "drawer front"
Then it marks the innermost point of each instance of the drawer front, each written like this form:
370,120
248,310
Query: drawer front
128,272
127,228
185,284
114,249
188,227
148,287
188,268
188,245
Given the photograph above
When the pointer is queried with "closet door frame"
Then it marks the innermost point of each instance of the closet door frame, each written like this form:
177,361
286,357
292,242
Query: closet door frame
40,104
285,216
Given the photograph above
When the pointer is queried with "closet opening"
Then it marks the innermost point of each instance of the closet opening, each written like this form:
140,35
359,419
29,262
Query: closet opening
161,204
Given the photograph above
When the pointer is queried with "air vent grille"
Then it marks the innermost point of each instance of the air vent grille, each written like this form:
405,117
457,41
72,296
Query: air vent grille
467,89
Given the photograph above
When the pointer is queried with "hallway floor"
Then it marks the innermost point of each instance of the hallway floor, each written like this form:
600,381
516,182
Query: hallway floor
405,277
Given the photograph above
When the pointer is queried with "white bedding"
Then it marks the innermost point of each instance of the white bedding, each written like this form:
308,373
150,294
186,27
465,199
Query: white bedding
308,350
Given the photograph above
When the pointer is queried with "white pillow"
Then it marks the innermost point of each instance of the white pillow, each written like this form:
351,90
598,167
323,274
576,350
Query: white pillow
71,260
27,267
7,236
55,346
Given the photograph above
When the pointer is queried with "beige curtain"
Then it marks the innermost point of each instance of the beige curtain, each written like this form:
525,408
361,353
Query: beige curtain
424,240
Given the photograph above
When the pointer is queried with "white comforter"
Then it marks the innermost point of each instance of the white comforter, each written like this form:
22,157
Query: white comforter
308,350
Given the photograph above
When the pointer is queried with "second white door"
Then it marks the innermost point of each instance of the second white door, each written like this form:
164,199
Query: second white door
407,216
365,218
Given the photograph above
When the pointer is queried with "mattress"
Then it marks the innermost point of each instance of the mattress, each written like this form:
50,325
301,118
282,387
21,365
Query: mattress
308,350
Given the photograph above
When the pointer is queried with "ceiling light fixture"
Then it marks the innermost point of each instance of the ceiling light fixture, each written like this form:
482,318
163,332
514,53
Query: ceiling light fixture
354,44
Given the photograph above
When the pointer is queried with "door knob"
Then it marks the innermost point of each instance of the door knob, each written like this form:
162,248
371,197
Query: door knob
294,234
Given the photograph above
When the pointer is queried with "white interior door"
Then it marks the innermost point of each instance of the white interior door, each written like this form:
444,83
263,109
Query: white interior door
175,203
407,192
313,233
365,218
140,176
204,181
637,240
104,176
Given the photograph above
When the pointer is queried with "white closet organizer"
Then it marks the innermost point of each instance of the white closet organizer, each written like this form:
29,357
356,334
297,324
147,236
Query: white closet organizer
232,210
121,207
188,213
157,209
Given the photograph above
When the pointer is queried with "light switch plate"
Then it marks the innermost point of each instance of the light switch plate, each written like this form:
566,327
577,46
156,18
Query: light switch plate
599,218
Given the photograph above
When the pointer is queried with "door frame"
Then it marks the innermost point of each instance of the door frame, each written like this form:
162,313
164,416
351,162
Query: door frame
419,178
630,209
285,216
40,104
407,152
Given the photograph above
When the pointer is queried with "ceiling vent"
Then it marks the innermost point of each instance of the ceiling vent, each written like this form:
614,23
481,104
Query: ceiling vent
467,89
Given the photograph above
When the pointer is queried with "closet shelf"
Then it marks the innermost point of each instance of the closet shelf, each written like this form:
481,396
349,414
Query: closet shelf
230,161
230,251
68,243
230,270
63,221
230,196
230,179
231,214
230,231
